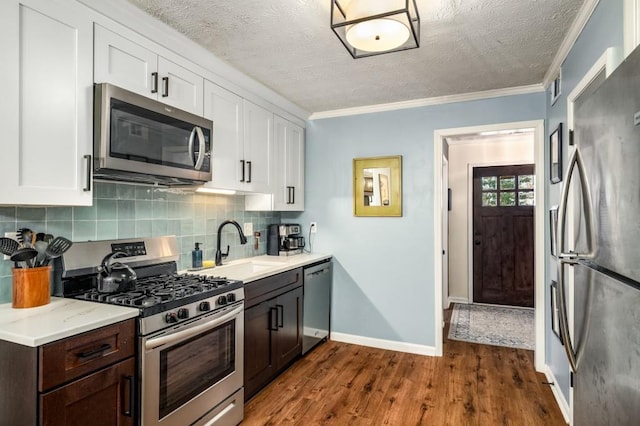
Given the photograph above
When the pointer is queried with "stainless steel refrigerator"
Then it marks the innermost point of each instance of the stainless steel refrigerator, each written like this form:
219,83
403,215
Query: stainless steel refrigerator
602,184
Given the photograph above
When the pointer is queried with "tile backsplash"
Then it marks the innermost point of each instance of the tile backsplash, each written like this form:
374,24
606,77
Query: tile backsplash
128,211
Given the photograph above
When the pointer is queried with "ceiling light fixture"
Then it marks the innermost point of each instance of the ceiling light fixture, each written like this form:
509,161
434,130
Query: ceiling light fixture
368,28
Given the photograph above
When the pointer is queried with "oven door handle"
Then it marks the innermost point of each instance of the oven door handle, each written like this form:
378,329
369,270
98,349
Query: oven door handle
181,335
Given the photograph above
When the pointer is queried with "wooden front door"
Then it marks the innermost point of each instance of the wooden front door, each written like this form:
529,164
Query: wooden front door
503,238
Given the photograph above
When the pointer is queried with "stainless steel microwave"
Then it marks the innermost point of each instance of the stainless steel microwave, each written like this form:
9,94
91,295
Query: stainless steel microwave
137,139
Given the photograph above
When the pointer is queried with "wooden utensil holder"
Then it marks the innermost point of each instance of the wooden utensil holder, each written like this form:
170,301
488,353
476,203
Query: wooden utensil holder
31,287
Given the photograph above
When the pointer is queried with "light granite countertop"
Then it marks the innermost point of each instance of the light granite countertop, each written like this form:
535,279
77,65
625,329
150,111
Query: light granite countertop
59,319
254,268
67,317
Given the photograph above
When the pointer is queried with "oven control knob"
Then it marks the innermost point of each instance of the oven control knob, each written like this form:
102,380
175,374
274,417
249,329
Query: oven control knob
205,306
222,300
183,313
171,317
231,297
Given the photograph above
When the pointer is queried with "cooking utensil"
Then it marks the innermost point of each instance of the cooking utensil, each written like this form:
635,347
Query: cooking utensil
24,255
56,248
25,237
41,248
47,238
8,246
40,236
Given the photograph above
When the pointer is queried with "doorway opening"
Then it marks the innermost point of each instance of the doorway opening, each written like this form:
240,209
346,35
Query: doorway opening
461,151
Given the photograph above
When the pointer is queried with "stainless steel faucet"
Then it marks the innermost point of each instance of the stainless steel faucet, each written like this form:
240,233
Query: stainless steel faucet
219,253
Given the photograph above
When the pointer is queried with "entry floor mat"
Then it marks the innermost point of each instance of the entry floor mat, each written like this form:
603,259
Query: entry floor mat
493,325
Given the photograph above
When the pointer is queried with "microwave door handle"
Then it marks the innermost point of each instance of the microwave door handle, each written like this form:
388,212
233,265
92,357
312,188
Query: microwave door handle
202,146
192,138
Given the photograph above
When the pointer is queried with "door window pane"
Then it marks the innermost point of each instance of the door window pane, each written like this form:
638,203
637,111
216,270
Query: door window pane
526,182
508,198
490,182
507,182
526,198
489,199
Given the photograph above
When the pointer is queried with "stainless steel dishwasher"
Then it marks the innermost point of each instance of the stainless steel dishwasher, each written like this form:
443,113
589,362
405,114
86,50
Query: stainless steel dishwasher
318,279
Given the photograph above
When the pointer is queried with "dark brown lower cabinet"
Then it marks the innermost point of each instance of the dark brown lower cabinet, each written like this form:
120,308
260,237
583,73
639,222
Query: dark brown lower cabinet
84,379
104,397
272,328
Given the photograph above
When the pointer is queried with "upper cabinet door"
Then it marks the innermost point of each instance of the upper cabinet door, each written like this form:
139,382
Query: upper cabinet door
46,111
180,87
124,63
128,65
289,191
224,108
259,153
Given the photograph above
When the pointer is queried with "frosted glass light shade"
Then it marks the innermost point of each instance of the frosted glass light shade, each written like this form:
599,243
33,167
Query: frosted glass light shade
377,35
373,27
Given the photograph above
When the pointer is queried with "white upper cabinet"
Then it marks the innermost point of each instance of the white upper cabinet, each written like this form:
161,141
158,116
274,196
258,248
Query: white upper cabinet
243,153
126,64
289,188
259,153
224,108
288,166
46,109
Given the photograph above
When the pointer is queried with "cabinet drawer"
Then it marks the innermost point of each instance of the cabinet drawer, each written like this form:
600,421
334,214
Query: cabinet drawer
267,288
79,355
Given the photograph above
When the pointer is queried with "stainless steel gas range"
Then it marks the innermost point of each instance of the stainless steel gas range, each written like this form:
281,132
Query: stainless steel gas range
191,329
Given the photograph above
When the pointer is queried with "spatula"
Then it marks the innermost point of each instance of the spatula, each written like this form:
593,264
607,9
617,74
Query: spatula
56,248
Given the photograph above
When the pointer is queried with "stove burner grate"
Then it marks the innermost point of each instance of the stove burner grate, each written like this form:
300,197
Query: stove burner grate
163,291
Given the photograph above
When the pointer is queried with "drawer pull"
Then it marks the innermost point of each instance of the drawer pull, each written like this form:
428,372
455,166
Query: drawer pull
129,412
93,352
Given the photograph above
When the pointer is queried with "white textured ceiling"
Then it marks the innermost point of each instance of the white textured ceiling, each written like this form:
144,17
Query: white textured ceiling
288,45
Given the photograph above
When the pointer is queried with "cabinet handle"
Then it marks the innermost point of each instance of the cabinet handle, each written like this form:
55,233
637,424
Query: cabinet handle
280,309
273,324
154,84
242,163
87,187
165,87
288,195
93,352
293,195
129,411
249,164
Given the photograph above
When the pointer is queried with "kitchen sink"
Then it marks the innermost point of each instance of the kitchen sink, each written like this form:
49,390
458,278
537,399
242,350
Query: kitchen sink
243,269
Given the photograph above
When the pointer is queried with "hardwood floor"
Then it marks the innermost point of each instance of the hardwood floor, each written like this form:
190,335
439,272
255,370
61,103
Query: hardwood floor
343,384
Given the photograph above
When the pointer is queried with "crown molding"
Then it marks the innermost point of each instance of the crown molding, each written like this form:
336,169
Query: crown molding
439,100
576,28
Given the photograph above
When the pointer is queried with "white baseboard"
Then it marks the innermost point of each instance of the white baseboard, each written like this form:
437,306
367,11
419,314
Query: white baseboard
562,402
463,300
391,345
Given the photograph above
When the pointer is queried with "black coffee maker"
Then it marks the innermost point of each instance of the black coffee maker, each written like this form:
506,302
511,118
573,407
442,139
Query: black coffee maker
284,239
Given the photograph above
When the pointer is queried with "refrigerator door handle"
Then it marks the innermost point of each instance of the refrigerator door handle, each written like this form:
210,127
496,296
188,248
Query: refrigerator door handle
564,320
571,257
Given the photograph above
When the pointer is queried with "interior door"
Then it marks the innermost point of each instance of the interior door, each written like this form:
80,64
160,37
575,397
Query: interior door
503,235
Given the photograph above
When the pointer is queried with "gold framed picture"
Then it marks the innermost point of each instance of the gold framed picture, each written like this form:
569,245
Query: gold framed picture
377,186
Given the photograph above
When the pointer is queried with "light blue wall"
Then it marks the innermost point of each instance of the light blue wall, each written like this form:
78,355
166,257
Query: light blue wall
604,30
384,274
128,211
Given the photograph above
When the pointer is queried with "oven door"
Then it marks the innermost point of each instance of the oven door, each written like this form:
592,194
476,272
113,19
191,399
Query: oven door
190,369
